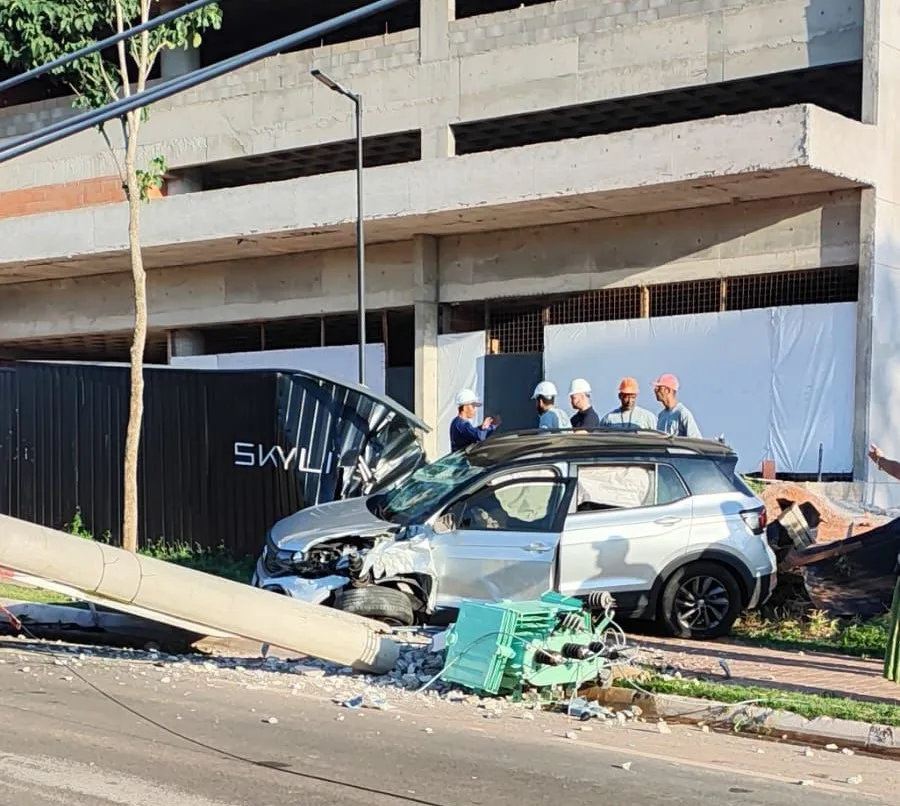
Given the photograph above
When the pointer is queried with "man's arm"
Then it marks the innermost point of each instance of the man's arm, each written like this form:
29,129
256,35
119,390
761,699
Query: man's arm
889,466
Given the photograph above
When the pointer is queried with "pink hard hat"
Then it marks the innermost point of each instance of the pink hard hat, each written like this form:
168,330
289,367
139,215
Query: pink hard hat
668,380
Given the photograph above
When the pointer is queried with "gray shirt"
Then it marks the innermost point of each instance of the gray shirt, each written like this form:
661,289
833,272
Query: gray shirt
636,418
554,418
679,422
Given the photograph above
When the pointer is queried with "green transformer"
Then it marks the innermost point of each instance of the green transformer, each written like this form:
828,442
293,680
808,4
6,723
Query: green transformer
501,648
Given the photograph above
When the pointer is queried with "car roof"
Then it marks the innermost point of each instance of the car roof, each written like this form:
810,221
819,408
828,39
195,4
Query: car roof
533,444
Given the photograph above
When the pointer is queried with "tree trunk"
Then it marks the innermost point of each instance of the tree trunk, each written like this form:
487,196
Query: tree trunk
139,340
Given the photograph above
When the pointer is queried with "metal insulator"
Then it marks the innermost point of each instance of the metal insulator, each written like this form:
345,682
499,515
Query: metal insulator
546,657
576,651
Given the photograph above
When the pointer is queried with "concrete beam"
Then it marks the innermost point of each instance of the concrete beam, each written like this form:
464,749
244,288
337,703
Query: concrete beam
768,154
523,60
797,233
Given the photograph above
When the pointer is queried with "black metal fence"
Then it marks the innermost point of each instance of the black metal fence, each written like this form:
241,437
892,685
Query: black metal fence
224,454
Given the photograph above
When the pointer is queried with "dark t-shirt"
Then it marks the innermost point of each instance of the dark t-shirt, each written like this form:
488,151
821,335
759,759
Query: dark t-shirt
586,419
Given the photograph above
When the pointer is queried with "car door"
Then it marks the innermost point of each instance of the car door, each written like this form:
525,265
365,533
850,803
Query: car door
503,539
626,522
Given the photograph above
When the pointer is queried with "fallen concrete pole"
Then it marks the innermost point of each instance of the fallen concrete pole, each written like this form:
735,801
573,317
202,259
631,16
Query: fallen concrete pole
118,576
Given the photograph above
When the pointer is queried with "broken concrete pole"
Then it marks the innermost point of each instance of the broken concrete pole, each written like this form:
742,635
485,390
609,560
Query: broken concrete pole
170,590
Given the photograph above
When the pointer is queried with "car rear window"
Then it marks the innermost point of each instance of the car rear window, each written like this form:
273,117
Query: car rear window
708,476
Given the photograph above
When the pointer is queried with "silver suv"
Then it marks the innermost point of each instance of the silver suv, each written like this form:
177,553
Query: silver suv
663,524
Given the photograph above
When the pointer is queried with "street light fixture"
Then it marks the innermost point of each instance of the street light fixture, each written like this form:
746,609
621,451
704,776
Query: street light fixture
360,238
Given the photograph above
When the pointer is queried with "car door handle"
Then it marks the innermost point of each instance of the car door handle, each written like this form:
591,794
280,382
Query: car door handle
538,548
670,521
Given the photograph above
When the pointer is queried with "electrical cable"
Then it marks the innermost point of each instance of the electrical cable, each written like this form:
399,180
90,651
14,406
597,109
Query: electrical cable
218,750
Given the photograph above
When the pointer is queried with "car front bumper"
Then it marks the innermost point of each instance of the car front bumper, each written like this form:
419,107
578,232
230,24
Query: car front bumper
312,591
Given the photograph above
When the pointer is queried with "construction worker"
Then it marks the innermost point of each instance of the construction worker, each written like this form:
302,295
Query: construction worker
629,415
580,398
549,416
675,418
463,430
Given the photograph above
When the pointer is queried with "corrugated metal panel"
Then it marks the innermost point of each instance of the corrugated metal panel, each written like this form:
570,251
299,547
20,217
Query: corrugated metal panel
223,455
8,412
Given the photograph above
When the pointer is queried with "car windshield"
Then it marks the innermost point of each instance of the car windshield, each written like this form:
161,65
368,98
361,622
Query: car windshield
414,499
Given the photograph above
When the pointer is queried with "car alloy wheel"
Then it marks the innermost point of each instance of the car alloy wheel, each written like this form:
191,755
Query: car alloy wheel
701,603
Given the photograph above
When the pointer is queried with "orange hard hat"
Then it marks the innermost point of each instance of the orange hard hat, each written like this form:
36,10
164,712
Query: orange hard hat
628,386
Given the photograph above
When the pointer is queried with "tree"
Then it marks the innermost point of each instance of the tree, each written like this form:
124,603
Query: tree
34,32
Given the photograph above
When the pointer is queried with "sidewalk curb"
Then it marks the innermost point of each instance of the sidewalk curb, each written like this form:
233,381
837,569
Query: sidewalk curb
821,730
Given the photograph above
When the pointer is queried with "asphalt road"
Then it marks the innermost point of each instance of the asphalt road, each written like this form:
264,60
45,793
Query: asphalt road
65,743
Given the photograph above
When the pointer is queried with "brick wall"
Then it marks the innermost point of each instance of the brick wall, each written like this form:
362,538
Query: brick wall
55,198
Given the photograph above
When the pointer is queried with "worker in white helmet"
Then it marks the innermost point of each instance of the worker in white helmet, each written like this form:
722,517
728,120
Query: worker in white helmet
580,398
550,418
463,430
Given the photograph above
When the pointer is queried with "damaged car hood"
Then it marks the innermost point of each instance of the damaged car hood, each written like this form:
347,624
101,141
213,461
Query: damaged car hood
306,528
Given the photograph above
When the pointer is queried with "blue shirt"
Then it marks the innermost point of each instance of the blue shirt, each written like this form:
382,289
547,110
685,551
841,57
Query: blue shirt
634,419
553,419
678,422
463,433
585,419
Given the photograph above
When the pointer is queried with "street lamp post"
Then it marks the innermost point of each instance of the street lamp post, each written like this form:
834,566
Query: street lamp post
360,235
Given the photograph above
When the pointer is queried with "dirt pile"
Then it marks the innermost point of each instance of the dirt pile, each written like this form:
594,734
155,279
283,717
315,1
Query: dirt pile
835,525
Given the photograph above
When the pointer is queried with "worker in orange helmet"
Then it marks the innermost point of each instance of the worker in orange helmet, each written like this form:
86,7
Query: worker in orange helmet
629,415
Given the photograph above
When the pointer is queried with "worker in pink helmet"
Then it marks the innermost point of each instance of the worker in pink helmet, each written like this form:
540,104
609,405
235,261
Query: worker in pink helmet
675,418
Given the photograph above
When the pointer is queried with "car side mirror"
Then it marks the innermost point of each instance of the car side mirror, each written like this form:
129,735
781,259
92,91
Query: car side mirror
444,524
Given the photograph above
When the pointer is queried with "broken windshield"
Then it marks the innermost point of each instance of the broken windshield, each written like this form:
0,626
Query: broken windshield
413,500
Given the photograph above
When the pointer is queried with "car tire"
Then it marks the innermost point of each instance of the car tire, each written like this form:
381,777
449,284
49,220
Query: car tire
701,600
389,605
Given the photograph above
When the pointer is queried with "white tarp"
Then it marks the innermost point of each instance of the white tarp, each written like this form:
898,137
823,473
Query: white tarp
340,363
776,382
460,366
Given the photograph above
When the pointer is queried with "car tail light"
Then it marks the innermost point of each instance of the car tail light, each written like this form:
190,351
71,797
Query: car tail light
756,520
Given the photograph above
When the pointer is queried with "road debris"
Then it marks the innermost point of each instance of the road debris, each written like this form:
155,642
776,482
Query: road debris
272,720
626,766
855,780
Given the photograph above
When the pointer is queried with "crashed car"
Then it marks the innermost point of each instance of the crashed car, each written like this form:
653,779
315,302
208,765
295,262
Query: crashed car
663,524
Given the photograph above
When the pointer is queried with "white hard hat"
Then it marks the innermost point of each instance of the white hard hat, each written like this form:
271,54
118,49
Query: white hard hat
579,387
467,397
544,389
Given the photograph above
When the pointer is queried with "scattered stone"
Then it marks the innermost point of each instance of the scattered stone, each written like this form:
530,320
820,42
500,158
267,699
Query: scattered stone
663,728
570,734
166,680
831,748
805,782
626,766
428,730
704,729
808,752
854,780
848,752
272,720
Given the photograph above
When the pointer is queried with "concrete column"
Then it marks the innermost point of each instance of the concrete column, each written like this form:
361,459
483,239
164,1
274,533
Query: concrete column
184,181
438,143
434,29
426,295
185,343
178,62
878,394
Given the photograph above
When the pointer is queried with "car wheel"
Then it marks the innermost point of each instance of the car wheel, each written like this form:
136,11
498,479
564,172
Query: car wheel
389,605
700,600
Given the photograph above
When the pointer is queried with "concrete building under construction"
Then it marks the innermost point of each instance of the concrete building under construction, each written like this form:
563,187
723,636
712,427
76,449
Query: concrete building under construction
528,165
